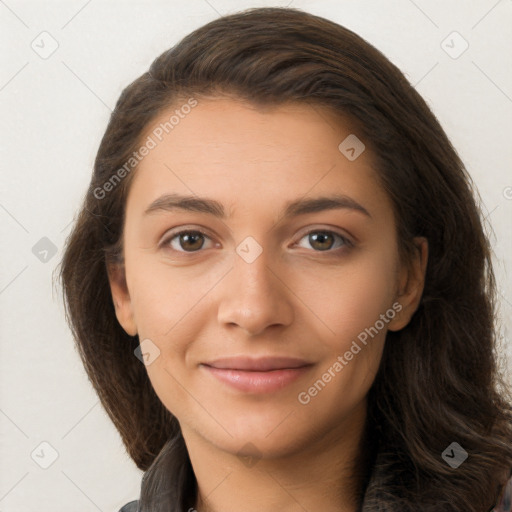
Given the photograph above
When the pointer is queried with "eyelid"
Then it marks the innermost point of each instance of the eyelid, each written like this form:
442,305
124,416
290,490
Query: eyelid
347,240
172,233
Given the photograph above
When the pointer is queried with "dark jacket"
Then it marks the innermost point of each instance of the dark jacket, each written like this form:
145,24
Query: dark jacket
504,503
133,506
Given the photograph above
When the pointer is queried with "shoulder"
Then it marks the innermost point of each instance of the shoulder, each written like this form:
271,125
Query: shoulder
505,501
133,506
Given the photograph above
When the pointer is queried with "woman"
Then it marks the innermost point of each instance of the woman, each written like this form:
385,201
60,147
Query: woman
280,285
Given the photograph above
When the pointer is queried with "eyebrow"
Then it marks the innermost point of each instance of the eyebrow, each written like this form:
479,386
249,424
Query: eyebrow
172,202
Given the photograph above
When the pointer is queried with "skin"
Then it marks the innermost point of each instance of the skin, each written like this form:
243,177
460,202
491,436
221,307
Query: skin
294,299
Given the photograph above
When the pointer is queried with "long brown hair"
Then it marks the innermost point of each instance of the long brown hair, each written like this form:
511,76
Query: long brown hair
438,381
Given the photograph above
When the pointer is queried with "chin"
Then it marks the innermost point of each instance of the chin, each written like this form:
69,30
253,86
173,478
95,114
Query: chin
268,436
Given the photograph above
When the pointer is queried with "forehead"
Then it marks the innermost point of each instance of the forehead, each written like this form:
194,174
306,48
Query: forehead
238,152
231,126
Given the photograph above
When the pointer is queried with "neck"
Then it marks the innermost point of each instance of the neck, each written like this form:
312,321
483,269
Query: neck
326,474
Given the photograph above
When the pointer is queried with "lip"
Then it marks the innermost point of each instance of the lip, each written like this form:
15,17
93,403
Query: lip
261,364
263,375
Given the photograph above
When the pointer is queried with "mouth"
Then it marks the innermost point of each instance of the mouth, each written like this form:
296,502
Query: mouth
263,364
263,375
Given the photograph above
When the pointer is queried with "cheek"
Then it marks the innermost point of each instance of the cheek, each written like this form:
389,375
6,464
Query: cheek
351,298
166,300
357,308
166,319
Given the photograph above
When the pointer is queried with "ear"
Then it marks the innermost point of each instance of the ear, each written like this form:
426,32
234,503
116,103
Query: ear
121,297
410,286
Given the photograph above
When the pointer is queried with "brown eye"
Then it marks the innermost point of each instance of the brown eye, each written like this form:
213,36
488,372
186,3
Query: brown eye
325,240
192,241
186,241
321,241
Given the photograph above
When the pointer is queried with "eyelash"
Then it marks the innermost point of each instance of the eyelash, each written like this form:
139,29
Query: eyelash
167,241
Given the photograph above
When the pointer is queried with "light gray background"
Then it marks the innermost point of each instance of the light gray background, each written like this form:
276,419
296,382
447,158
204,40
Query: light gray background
53,114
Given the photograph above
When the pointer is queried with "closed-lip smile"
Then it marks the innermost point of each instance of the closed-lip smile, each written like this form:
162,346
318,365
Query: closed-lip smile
257,375
262,364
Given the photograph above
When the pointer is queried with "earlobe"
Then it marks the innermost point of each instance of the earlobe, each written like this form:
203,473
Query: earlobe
121,298
411,285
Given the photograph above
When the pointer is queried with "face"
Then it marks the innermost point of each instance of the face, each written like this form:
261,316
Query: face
264,300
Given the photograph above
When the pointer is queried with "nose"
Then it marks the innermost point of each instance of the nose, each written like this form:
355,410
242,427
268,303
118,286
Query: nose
255,296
